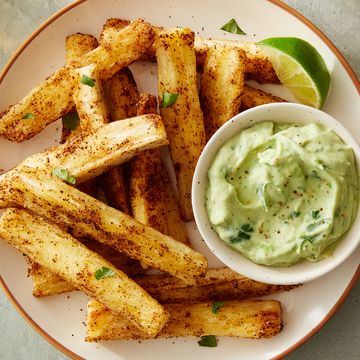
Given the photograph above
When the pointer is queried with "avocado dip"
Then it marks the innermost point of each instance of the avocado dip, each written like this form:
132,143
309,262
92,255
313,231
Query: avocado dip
280,193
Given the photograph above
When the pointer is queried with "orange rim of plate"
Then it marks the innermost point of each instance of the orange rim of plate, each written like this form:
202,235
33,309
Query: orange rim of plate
353,77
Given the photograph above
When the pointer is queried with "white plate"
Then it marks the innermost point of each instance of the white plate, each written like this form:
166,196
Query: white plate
60,318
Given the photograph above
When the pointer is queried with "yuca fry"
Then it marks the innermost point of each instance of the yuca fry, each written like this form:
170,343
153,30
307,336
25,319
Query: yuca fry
48,283
52,98
123,95
49,197
255,319
254,97
222,85
153,200
89,99
258,67
76,46
184,119
88,156
217,284
53,248
44,280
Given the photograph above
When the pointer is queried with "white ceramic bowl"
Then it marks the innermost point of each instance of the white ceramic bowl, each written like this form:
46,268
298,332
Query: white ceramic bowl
303,271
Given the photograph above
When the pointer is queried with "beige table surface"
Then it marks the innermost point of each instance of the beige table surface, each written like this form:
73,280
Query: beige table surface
340,21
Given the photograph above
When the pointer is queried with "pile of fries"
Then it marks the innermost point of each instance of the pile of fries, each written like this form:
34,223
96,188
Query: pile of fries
99,211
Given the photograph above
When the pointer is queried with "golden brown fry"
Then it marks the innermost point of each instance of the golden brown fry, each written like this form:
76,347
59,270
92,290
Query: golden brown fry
217,284
255,319
76,46
48,283
184,119
89,99
123,95
79,44
222,85
53,248
153,200
88,156
52,98
254,97
67,206
258,67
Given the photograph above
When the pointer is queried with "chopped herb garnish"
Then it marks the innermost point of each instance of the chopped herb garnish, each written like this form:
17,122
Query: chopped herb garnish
232,147
294,214
216,306
312,226
315,175
70,121
168,99
64,174
308,237
103,273
87,80
240,237
232,27
208,341
247,228
29,116
315,214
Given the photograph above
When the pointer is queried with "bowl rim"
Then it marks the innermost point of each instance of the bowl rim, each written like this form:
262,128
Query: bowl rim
305,271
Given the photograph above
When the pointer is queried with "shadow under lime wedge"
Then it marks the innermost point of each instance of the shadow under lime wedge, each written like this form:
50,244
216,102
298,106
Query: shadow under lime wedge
299,67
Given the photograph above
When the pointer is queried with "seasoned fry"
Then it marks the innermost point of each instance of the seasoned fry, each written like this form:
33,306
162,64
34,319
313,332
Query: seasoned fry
255,319
123,95
222,85
53,248
88,156
52,98
183,119
89,99
76,46
254,97
217,284
56,200
48,283
258,67
153,200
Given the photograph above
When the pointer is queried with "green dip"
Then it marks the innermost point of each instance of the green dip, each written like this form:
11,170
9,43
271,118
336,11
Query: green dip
279,193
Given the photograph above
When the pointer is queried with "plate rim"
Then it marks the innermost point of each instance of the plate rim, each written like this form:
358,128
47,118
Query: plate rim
355,81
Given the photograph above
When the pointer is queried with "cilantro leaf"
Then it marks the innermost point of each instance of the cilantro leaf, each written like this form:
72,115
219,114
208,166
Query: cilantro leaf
70,121
216,306
87,80
247,228
315,214
232,27
240,237
64,175
208,341
29,116
103,273
168,99
294,214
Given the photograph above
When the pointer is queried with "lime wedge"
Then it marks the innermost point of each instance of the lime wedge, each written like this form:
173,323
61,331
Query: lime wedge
299,67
